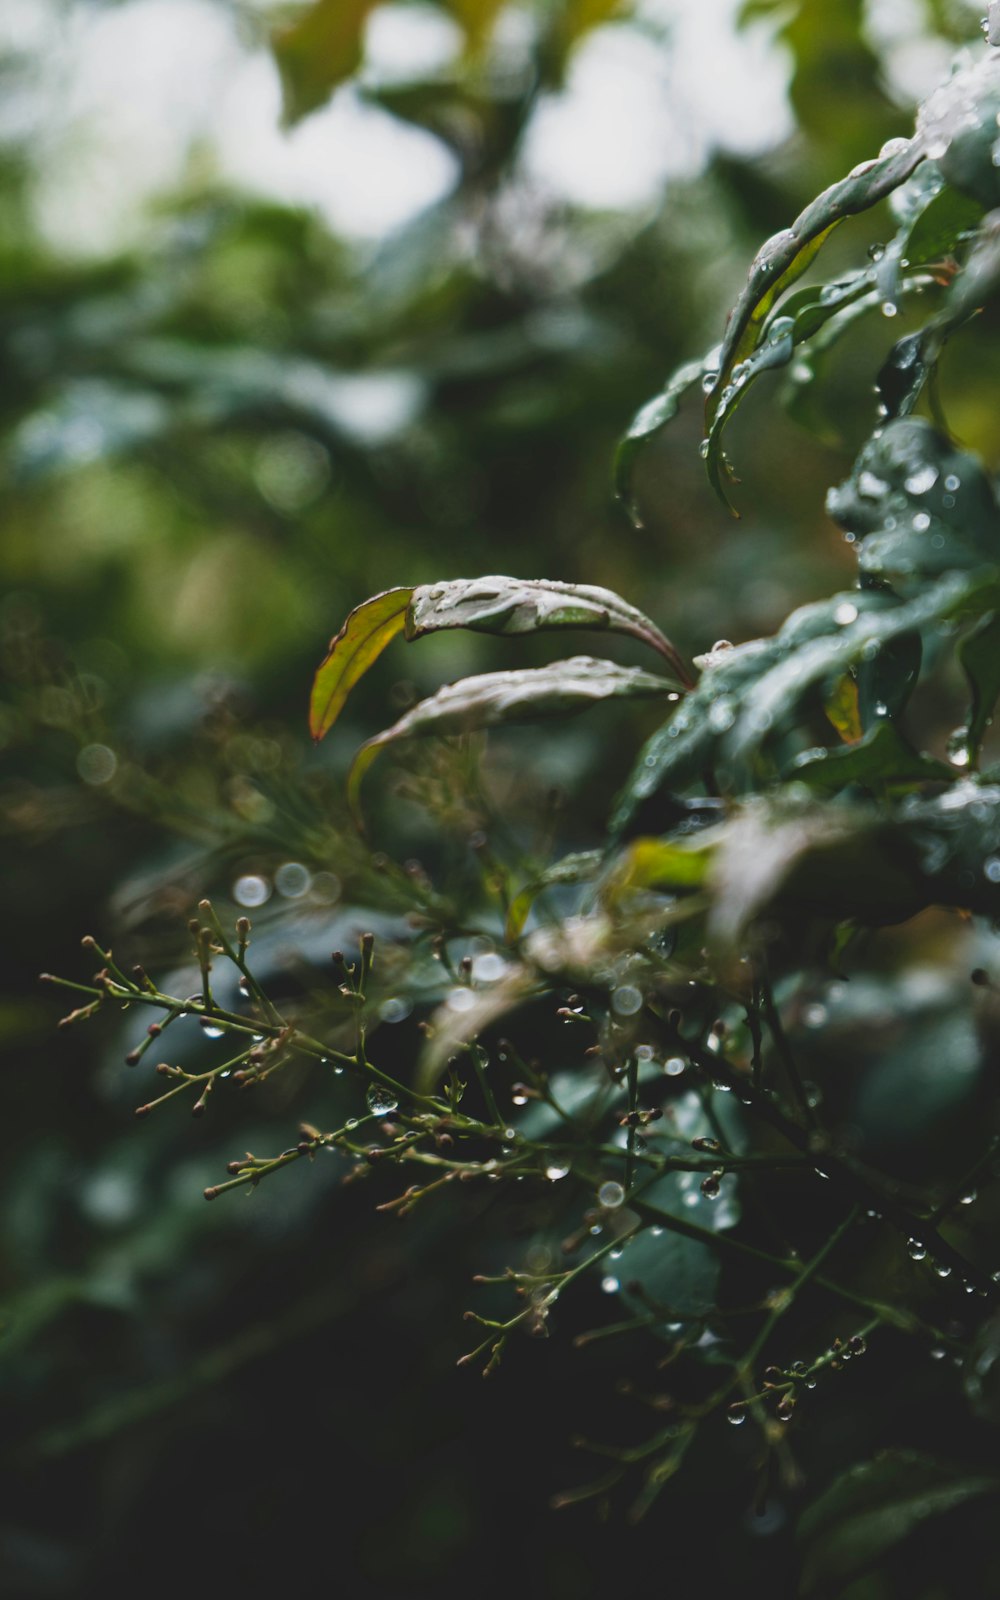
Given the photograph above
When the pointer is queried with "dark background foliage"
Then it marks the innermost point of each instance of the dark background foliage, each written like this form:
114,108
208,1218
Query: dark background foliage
220,433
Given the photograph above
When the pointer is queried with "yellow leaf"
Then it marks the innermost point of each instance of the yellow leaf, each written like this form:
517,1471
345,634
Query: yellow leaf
364,636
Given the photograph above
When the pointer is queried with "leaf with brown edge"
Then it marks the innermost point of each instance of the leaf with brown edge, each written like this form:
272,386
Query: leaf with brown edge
364,636
560,689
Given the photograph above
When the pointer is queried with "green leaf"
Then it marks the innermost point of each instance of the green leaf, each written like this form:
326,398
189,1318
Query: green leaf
653,416
957,126
917,506
364,636
560,689
979,654
318,52
874,1507
882,759
521,605
775,261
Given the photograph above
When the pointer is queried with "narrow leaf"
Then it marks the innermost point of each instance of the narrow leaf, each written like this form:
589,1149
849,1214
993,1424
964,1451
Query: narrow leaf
364,636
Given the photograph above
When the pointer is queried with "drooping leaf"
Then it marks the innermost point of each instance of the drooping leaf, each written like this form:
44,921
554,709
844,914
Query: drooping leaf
874,1507
318,52
653,416
979,654
869,182
364,636
527,605
560,689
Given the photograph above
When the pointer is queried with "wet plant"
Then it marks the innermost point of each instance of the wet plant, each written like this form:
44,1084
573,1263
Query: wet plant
731,1067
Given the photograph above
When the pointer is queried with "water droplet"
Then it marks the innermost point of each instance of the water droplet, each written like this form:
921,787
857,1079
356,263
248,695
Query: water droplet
969,1199
785,1408
736,1415
845,613
556,1170
674,1067
915,1250
611,1195
293,880
626,1000
381,1101
461,999
922,480
211,1030
941,1270
921,522
703,449
721,714
610,1285
251,890
709,380
394,1010
889,308
351,1123
488,967
876,252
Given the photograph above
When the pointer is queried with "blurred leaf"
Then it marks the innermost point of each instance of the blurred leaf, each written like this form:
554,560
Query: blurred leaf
874,1507
979,654
582,867
560,689
653,416
318,52
364,636
883,758
842,709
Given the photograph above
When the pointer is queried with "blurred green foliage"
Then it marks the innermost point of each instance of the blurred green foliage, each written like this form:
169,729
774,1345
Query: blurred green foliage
216,442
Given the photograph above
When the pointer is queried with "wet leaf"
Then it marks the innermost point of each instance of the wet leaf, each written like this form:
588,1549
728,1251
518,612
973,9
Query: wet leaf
364,636
874,1507
777,257
917,506
979,654
649,420
522,605
560,689
882,759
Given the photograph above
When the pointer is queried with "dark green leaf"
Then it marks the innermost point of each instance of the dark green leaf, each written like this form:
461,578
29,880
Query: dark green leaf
883,759
979,653
874,1507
